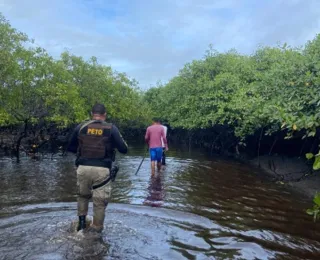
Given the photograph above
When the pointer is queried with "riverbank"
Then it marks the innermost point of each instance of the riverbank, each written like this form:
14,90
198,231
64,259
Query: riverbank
291,171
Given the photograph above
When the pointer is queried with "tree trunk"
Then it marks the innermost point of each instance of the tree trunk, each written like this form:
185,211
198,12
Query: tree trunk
237,150
18,143
190,134
273,144
259,147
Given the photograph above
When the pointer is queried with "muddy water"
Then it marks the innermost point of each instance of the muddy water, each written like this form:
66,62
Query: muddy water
195,208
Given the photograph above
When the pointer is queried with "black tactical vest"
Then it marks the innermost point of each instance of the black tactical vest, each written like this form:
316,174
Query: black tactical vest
95,144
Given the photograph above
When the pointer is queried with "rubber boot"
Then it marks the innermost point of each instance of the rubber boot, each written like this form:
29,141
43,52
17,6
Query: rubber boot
82,223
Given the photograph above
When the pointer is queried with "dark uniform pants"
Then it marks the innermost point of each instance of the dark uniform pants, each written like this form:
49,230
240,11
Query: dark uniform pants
163,159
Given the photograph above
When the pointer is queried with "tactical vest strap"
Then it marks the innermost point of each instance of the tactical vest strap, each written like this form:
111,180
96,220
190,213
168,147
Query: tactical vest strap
112,177
105,182
88,123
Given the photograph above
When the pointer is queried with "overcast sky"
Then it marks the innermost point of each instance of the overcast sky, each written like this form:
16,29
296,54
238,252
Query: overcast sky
151,40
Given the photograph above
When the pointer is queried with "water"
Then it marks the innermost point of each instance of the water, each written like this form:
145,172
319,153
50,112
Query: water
195,208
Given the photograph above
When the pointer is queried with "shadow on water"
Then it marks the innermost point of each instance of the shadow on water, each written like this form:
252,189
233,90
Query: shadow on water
195,208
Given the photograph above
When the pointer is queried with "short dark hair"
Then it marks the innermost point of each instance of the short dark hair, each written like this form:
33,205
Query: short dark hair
155,120
98,109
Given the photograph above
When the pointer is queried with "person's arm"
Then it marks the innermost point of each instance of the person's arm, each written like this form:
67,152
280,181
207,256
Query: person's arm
119,143
147,136
73,142
164,138
165,133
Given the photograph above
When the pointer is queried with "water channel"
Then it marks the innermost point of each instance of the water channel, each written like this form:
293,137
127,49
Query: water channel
195,208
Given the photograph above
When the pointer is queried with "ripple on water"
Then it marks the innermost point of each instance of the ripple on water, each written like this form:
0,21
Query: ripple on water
242,217
131,232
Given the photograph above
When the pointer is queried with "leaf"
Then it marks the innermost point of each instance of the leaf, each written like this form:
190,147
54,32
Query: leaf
294,127
316,199
309,156
310,211
312,133
316,164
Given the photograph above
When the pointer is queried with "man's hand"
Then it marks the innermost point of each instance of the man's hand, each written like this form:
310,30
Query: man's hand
167,149
113,172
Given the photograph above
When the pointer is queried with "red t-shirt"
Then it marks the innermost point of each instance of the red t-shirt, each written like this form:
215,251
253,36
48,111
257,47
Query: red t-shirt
153,136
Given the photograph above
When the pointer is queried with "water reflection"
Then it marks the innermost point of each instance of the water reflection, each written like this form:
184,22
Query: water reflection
249,217
155,189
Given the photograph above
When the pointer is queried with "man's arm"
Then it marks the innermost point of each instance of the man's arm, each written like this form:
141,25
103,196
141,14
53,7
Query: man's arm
119,143
147,136
165,131
73,142
164,138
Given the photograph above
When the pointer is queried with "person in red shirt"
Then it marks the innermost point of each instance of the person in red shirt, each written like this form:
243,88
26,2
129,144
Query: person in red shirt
153,137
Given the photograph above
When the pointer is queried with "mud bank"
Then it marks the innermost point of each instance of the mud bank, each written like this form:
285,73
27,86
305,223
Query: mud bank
293,172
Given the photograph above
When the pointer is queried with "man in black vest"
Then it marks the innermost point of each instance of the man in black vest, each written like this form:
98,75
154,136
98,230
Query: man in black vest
95,142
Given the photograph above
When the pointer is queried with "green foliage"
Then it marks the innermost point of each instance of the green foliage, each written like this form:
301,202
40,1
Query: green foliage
34,86
275,89
316,163
309,156
315,210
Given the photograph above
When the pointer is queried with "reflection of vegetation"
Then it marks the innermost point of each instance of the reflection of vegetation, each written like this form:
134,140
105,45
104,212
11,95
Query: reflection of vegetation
316,207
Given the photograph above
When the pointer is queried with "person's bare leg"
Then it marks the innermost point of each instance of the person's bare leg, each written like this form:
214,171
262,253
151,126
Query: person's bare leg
159,166
153,167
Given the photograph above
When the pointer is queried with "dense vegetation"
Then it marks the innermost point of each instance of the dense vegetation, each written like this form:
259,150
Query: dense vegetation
222,100
39,93
275,92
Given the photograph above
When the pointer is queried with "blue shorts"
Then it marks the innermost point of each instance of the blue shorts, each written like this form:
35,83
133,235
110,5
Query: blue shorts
156,154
